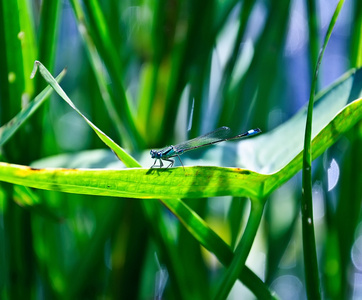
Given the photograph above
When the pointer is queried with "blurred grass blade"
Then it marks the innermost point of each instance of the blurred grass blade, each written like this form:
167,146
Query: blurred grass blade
102,51
7,130
356,43
193,223
17,51
121,154
48,34
242,250
309,246
26,198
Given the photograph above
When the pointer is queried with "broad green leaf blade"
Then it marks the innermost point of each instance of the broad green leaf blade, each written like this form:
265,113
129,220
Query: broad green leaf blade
193,182
7,130
128,160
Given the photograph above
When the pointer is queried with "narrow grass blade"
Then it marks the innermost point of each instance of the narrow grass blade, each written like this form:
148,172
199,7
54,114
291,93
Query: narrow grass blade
48,33
309,246
313,30
242,251
121,154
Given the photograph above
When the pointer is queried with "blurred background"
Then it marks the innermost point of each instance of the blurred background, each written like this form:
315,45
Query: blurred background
152,73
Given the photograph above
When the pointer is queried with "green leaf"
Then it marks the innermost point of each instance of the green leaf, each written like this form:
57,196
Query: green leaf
193,182
48,32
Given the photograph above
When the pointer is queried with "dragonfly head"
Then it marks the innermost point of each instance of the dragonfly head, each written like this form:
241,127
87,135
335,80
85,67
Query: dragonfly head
155,154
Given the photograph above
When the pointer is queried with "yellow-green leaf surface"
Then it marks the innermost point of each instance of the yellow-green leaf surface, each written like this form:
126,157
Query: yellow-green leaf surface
140,183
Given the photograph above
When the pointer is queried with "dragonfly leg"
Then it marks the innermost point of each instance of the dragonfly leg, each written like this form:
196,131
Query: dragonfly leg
171,162
181,161
154,163
161,164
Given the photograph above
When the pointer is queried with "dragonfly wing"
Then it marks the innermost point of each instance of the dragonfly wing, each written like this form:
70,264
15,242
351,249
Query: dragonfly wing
218,135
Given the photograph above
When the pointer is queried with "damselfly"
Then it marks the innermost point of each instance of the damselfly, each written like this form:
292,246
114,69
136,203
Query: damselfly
218,135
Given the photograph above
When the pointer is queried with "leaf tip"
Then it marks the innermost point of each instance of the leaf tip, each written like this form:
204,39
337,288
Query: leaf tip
35,68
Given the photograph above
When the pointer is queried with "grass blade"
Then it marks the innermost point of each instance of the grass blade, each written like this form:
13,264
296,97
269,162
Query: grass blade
128,160
309,246
356,44
242,251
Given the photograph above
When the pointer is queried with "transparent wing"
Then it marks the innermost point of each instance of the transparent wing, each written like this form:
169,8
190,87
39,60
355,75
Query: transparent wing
216,136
